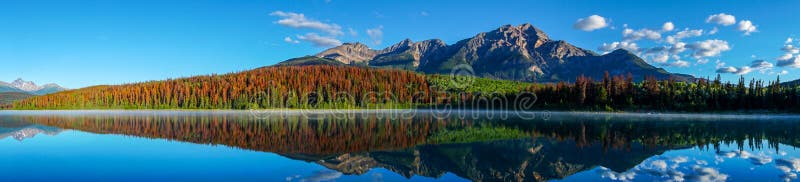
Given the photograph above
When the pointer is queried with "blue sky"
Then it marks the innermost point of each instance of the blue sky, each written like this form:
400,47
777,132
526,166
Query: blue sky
84,43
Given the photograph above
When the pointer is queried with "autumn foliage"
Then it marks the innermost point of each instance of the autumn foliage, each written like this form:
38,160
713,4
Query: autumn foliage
268,87
348,87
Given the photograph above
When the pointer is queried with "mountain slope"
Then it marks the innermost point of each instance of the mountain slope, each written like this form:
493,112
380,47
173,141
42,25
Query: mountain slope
10,97
523,53
791,83
308,61
349,53
9,88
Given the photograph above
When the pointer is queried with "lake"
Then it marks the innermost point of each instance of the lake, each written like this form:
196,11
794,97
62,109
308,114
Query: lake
394,145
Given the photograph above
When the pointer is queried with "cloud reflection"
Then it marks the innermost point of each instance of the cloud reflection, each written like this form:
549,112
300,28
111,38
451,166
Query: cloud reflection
318,176
662,168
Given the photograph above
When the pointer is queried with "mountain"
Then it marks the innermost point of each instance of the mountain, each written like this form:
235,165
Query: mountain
48,89
7,87
349,53
523,53
310,60
791,83
25,85
29,87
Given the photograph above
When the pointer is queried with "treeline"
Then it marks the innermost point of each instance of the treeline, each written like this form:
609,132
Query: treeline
621,93
345,87
268,87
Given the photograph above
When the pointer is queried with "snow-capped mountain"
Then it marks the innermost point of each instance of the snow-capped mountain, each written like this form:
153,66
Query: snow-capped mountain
20,85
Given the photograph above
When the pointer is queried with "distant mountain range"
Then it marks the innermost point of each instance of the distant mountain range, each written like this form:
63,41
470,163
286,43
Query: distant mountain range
29,87
523,53
791,83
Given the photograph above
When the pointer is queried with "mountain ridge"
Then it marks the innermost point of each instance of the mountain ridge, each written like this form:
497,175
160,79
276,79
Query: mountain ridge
521,53
20,85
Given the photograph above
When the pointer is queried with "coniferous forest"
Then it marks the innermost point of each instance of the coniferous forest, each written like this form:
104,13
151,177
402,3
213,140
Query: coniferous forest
346,87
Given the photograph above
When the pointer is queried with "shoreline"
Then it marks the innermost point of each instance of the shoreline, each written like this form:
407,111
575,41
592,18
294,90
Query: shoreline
729,115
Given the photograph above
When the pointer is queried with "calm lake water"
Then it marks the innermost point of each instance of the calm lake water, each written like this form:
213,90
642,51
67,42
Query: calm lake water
394,146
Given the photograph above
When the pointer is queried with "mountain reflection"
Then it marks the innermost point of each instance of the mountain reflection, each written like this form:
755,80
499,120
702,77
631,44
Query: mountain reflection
476,148
20,130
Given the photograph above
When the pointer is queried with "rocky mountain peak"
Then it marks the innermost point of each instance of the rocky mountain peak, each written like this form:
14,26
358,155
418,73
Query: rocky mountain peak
430,45
25,85
349,53
533,32
562,50
399,47
20,85
515,52
406,41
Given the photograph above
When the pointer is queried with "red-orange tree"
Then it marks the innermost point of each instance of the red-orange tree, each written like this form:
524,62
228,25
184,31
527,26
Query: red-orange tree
268,87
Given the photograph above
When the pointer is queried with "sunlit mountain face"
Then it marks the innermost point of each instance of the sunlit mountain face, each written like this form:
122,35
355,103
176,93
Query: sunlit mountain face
473,146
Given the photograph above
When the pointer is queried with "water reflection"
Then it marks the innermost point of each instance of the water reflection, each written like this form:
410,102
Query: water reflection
566,146
20,130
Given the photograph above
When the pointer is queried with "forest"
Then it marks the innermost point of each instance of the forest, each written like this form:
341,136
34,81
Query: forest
346,87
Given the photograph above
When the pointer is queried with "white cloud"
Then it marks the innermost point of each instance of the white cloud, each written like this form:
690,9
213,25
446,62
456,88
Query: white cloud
680,159
747,27
713,31
702,61
783,72
634,35
685,33
376,35
785,57
744,70
722,19
669,26
322,175
788,167
761,65
719,63
352,32
729,69
590,23
760,159
661,58
615,176
706,174
299,20
630,46
320,41
792,62
789,59
290,40
677,48
708,48
733,70
790,49
677,63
